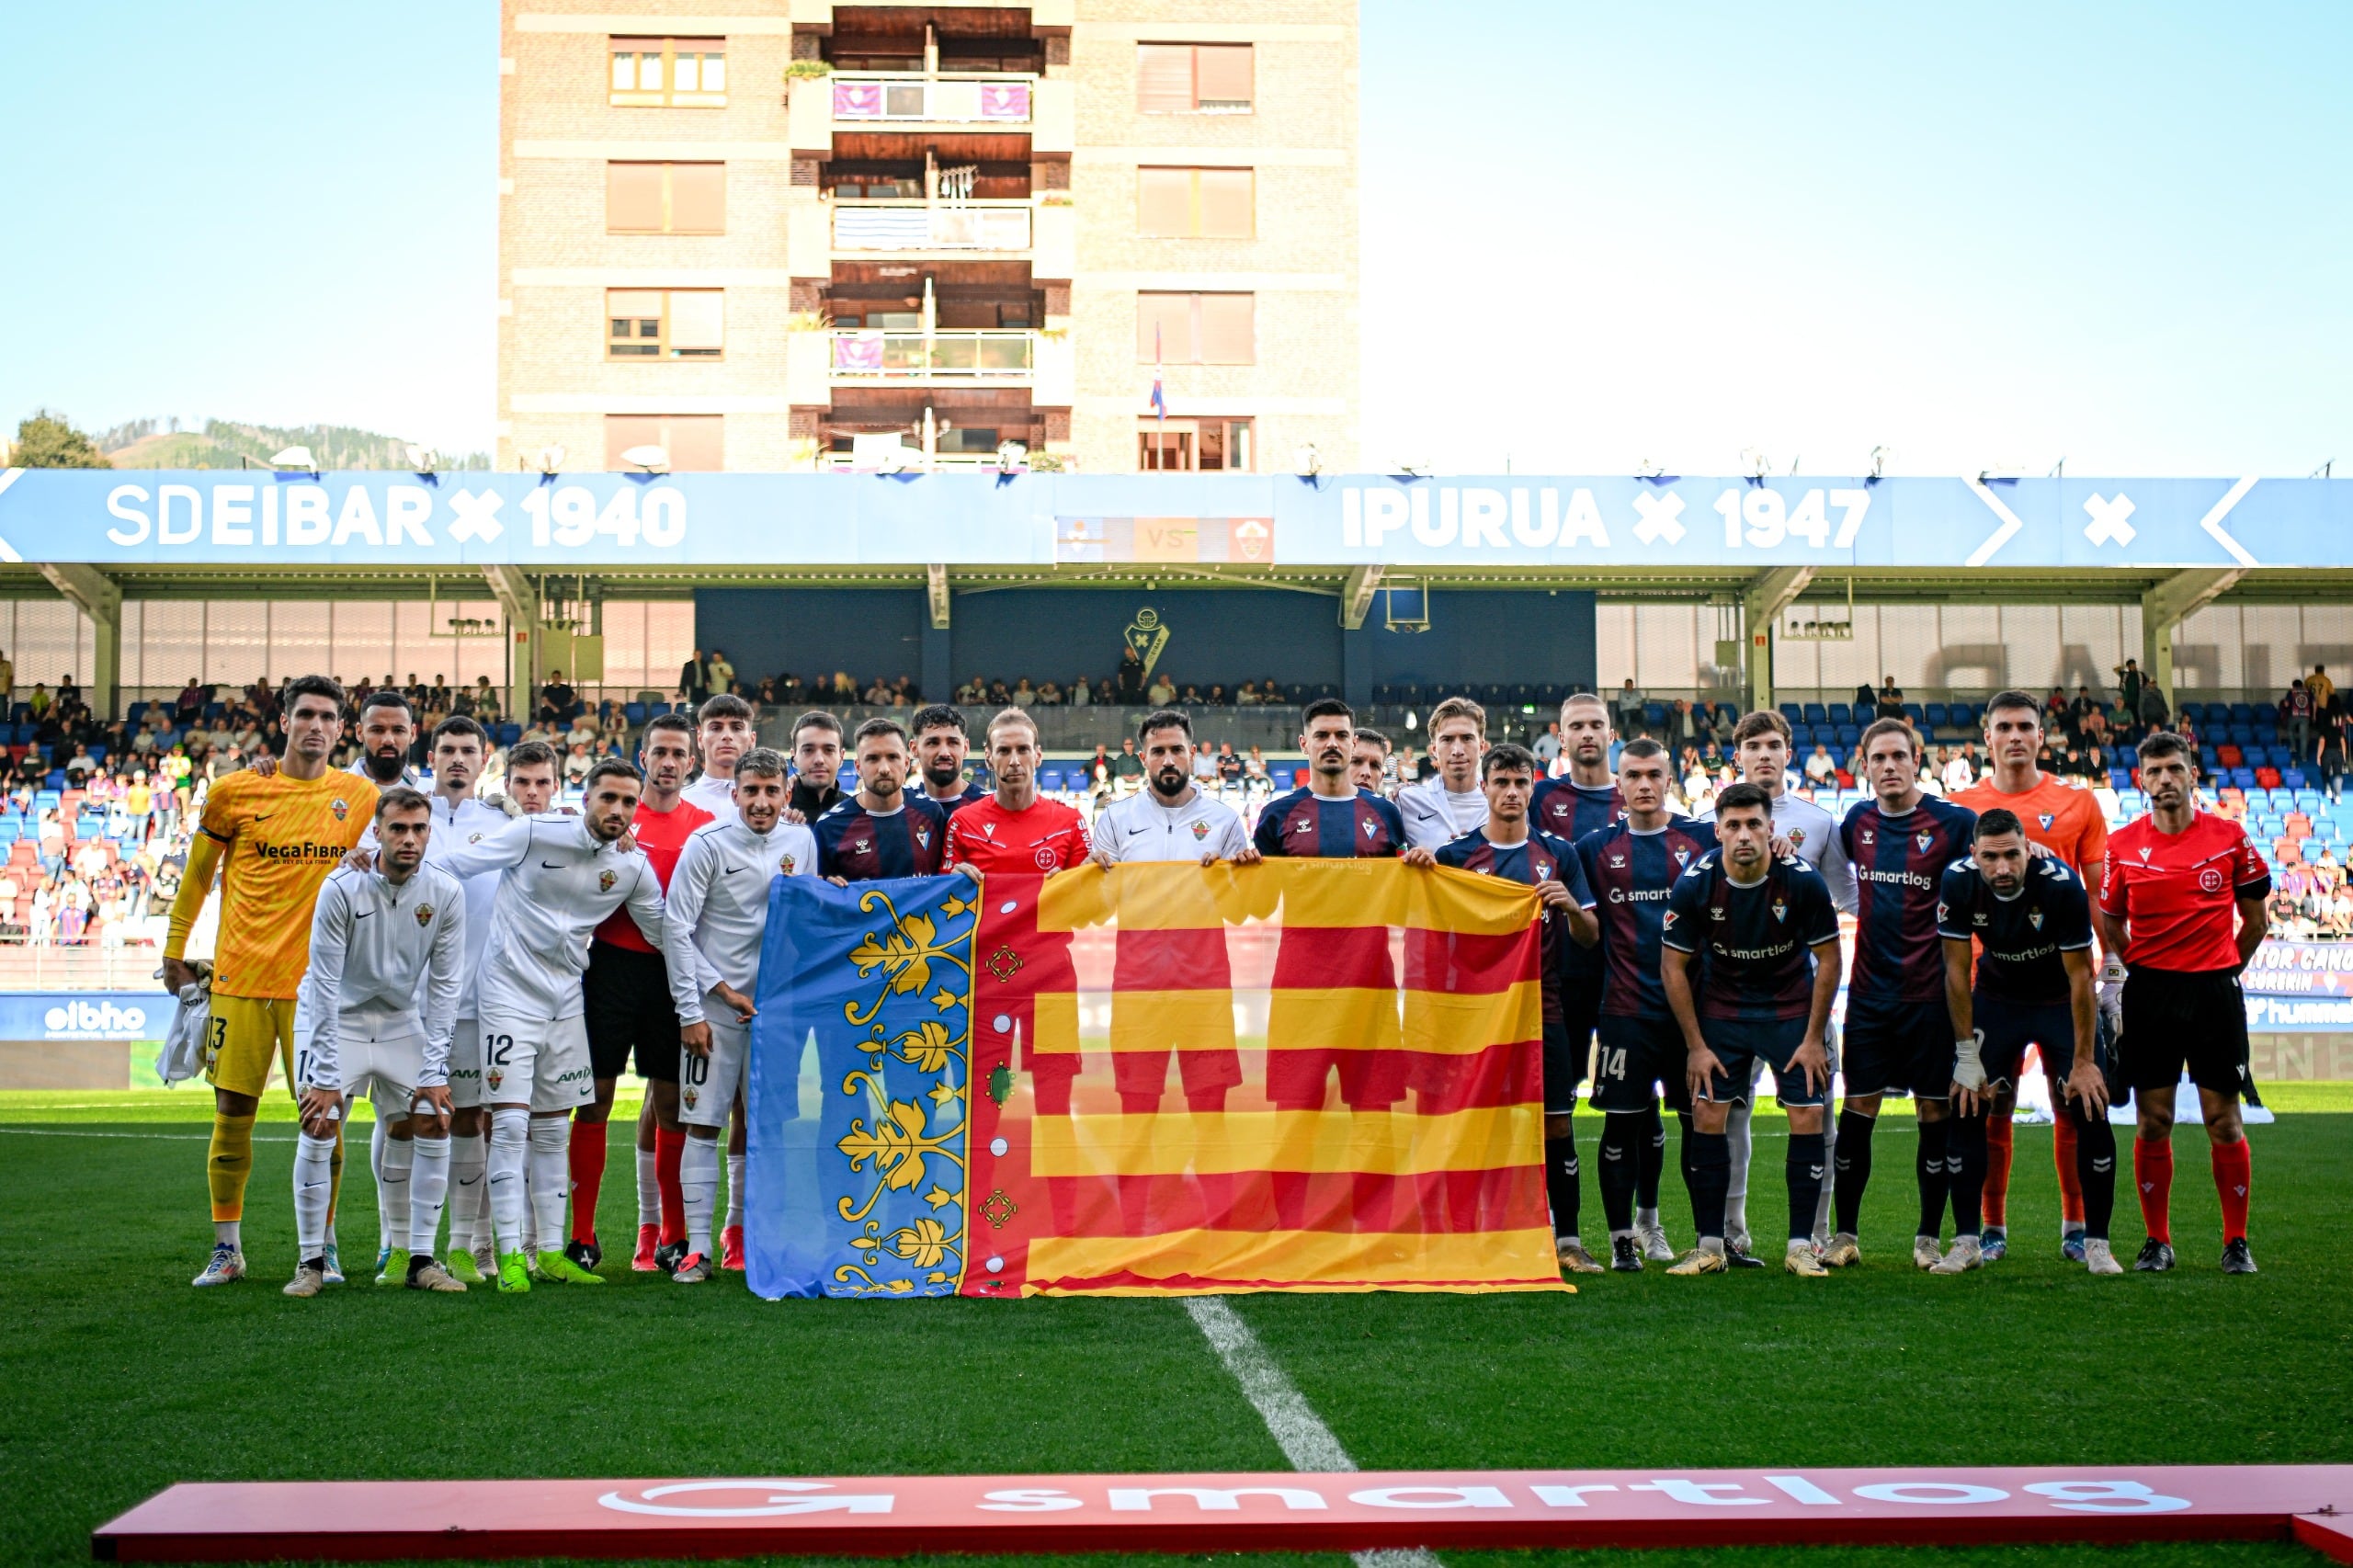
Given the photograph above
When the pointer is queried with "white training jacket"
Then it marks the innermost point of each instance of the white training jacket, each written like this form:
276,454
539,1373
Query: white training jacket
717,914
1434,816
716,795
456,823
1814,833
559,882
1141,828
378,950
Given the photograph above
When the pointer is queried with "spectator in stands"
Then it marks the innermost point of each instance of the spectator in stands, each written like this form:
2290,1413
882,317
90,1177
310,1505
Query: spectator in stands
2331,762
1548,747
2082,708
1960,773
1682,729
1162,692
1629,703
2096,767
2054,709
190,706
2296,712
1050,696
558,702
40,701
972,693
1229,766
1099,769
1127,768
1254,771
1024,694
694,679
1821,768
1216,697
719,674
2155,711
2095,728
1131,677
1889,703
1866,702
1080,695
1247,695
7,680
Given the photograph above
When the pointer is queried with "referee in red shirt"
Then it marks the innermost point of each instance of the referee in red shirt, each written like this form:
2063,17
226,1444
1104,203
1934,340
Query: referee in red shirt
2166,900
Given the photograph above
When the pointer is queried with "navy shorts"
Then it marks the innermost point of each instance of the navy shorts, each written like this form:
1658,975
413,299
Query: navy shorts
1639,1057
1742,1044
2011,1027
1564,1055
1898,1048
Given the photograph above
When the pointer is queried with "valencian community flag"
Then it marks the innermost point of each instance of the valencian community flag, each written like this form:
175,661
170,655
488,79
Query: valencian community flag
1303,1075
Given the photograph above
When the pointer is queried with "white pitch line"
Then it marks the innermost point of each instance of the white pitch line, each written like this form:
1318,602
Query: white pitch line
1305,1441
150,1137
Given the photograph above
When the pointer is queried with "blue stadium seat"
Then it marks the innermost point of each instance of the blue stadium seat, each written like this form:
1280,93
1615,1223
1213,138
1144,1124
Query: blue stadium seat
1284,778
98,753
1938,716
1654,713
1793,713
1815,713
2242,778
2210,757
1050,780
1914,711
2118,779
136,711
1840,714
1850,735
1384,693
2242,712
55,783
509,734
634,712
214,710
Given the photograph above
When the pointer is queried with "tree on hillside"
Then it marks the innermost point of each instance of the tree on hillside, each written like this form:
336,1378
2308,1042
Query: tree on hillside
47,441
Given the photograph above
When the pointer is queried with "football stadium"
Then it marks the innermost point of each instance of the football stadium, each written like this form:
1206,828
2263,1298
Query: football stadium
968,945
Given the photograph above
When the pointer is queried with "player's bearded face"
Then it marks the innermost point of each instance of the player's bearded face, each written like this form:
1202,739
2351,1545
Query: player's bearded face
1329,744
610,807
668,757
943,754
882,768
1170,756
759,802
457,762
2000,859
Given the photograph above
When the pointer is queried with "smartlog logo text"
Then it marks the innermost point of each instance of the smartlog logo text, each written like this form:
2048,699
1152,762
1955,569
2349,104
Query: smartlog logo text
96,1020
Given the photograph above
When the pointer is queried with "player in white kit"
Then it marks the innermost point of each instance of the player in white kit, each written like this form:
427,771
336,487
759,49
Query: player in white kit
1450,803
373,1017
713,924
1171,819
1761,750
561,877
723,732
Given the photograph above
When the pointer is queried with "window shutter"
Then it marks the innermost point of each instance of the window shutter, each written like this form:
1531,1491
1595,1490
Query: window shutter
1165,202
1229,335
698,198
1227,205
633,302
1163,78
698,319
1172,314
695,442
1225,72
634,199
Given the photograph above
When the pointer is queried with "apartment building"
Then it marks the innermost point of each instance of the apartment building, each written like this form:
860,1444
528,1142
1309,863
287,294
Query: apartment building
779,234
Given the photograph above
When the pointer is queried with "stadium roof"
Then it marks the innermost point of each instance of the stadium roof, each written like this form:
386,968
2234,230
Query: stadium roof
227,533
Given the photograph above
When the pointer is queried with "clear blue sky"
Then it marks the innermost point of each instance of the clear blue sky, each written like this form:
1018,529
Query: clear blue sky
2119,234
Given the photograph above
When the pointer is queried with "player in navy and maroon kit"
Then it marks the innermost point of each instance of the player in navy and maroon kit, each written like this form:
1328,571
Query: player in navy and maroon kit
940,748
2176,883
1631,867
1898,1038
883,830
1329,818
1764,935
625,1006
1507,848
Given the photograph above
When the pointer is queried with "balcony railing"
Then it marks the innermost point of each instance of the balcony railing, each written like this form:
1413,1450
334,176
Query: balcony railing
1001,354
911,226
984,100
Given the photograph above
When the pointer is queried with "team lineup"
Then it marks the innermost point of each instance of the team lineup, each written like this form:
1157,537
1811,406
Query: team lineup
485,969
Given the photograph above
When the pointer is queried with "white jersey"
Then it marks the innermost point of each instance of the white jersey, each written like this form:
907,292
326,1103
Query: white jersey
559,883
1141,828
1436,816
717,913
455,825
378,950
716,795
1813,833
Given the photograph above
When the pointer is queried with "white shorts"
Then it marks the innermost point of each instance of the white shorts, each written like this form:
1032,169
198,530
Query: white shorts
383,1067
707,1084
542,1061
465,1065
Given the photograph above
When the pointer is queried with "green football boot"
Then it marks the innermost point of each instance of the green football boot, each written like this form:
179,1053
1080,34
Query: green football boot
556,1265
514,1271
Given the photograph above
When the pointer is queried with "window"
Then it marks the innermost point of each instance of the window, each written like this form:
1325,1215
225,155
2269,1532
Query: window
665,198
669,73
692,440
1199,204
665,324
1187,446
1196,329
1193,78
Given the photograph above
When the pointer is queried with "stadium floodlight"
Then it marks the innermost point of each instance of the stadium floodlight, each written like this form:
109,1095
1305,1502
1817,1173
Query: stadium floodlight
1879,463
647,458
1306,460
422,460
296,459
551,459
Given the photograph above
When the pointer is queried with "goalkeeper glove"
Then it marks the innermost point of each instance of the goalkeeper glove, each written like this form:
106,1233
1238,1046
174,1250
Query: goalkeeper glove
1969,1065
2111,994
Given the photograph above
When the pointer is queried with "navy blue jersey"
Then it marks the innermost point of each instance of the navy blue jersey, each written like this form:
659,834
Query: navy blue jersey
1540,857
1756,943
949,808
1899,862
1631,875
1305,826
859,847
2022,936
1570,811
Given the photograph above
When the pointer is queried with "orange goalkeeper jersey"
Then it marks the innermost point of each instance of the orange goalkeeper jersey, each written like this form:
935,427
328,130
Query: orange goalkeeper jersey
280,838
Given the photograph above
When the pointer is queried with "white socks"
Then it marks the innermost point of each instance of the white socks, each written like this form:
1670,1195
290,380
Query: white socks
1738,1144
394,1159
649,1189
510,1138
699,1176
429,1186
734,1190
551,1176
467,1154
313,1188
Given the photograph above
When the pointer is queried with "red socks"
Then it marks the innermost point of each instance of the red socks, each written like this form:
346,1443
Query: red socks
2071,1186
587,1153
669,1145
2153,1174
1998,1145
2233,1175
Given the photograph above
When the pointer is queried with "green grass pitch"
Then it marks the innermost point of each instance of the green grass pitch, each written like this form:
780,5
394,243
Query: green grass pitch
121,1380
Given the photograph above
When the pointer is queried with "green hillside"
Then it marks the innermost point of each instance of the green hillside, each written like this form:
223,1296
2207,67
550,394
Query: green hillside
224,443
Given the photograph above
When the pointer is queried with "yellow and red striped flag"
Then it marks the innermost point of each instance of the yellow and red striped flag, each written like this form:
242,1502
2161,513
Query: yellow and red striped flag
1303,1075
